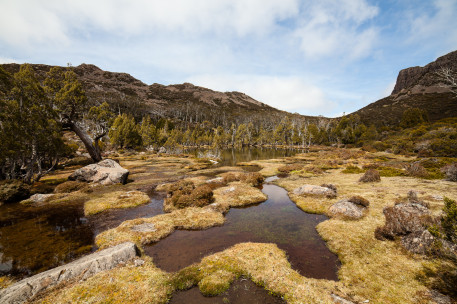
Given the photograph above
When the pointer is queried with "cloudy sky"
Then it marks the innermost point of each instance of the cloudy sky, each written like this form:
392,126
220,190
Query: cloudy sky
312,57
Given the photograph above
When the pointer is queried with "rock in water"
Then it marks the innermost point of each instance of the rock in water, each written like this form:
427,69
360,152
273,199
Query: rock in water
105,172
315,190
346,209
81,269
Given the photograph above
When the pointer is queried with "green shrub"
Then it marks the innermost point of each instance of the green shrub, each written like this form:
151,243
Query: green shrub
351,169
390,171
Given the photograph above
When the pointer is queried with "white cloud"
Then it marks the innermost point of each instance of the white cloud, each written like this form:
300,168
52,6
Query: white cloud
25,21
336,28
438,26
291,94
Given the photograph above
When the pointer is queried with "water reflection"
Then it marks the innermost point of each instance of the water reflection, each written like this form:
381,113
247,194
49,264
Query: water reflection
232,156
277,220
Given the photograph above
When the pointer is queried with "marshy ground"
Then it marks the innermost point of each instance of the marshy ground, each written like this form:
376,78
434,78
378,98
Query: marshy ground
374,270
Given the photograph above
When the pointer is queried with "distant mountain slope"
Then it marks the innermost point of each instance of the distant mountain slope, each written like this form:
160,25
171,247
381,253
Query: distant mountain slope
185,102
416,87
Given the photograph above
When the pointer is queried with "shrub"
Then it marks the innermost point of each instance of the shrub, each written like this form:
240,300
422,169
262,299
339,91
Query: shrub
451,172
372,175
330,186
184,194
416,169
254,178
390,171
290,167
70,186
351,169
358,200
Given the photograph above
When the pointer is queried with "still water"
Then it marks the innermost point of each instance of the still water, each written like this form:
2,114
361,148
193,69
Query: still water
277,220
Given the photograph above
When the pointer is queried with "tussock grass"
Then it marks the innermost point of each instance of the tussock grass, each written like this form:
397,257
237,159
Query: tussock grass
192,218
380,271
115,200
129,284
265,264
236,194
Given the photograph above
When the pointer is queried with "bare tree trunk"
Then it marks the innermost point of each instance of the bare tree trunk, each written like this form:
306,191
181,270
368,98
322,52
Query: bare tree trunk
91,147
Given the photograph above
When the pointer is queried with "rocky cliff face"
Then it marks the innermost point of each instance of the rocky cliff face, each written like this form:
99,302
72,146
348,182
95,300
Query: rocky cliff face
416,87
423,79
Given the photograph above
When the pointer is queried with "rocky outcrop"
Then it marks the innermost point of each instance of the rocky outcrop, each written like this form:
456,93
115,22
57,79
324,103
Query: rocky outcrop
80,269
418,242
346,209
403,219
315,191
105,172
423,79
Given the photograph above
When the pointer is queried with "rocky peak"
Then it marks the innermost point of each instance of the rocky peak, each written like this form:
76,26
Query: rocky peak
423,79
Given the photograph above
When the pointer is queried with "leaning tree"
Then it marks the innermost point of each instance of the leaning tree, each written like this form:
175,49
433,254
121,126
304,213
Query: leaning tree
70,102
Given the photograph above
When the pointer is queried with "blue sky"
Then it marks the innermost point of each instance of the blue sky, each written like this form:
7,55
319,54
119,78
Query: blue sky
312,57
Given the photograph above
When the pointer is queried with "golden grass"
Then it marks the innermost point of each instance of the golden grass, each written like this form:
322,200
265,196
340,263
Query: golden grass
115,200
236,194
192,218
380,271
129,284
265,264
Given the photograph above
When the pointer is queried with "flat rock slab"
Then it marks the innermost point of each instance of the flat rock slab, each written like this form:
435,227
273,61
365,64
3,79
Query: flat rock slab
315,190
80,269
106,172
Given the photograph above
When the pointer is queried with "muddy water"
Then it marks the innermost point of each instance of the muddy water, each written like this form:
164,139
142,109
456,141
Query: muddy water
277,220
241,291
36,238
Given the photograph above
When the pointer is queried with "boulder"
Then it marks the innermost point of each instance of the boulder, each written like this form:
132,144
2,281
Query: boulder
105,172
80,269
403,219
315,190
38,198
418,242
162,150
346,209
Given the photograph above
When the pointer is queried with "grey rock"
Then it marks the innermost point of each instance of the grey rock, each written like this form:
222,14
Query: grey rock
418,242
105,172
162,150
403,219
315,190
347,209
145,227
80,269
339,300
439,298
39,198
